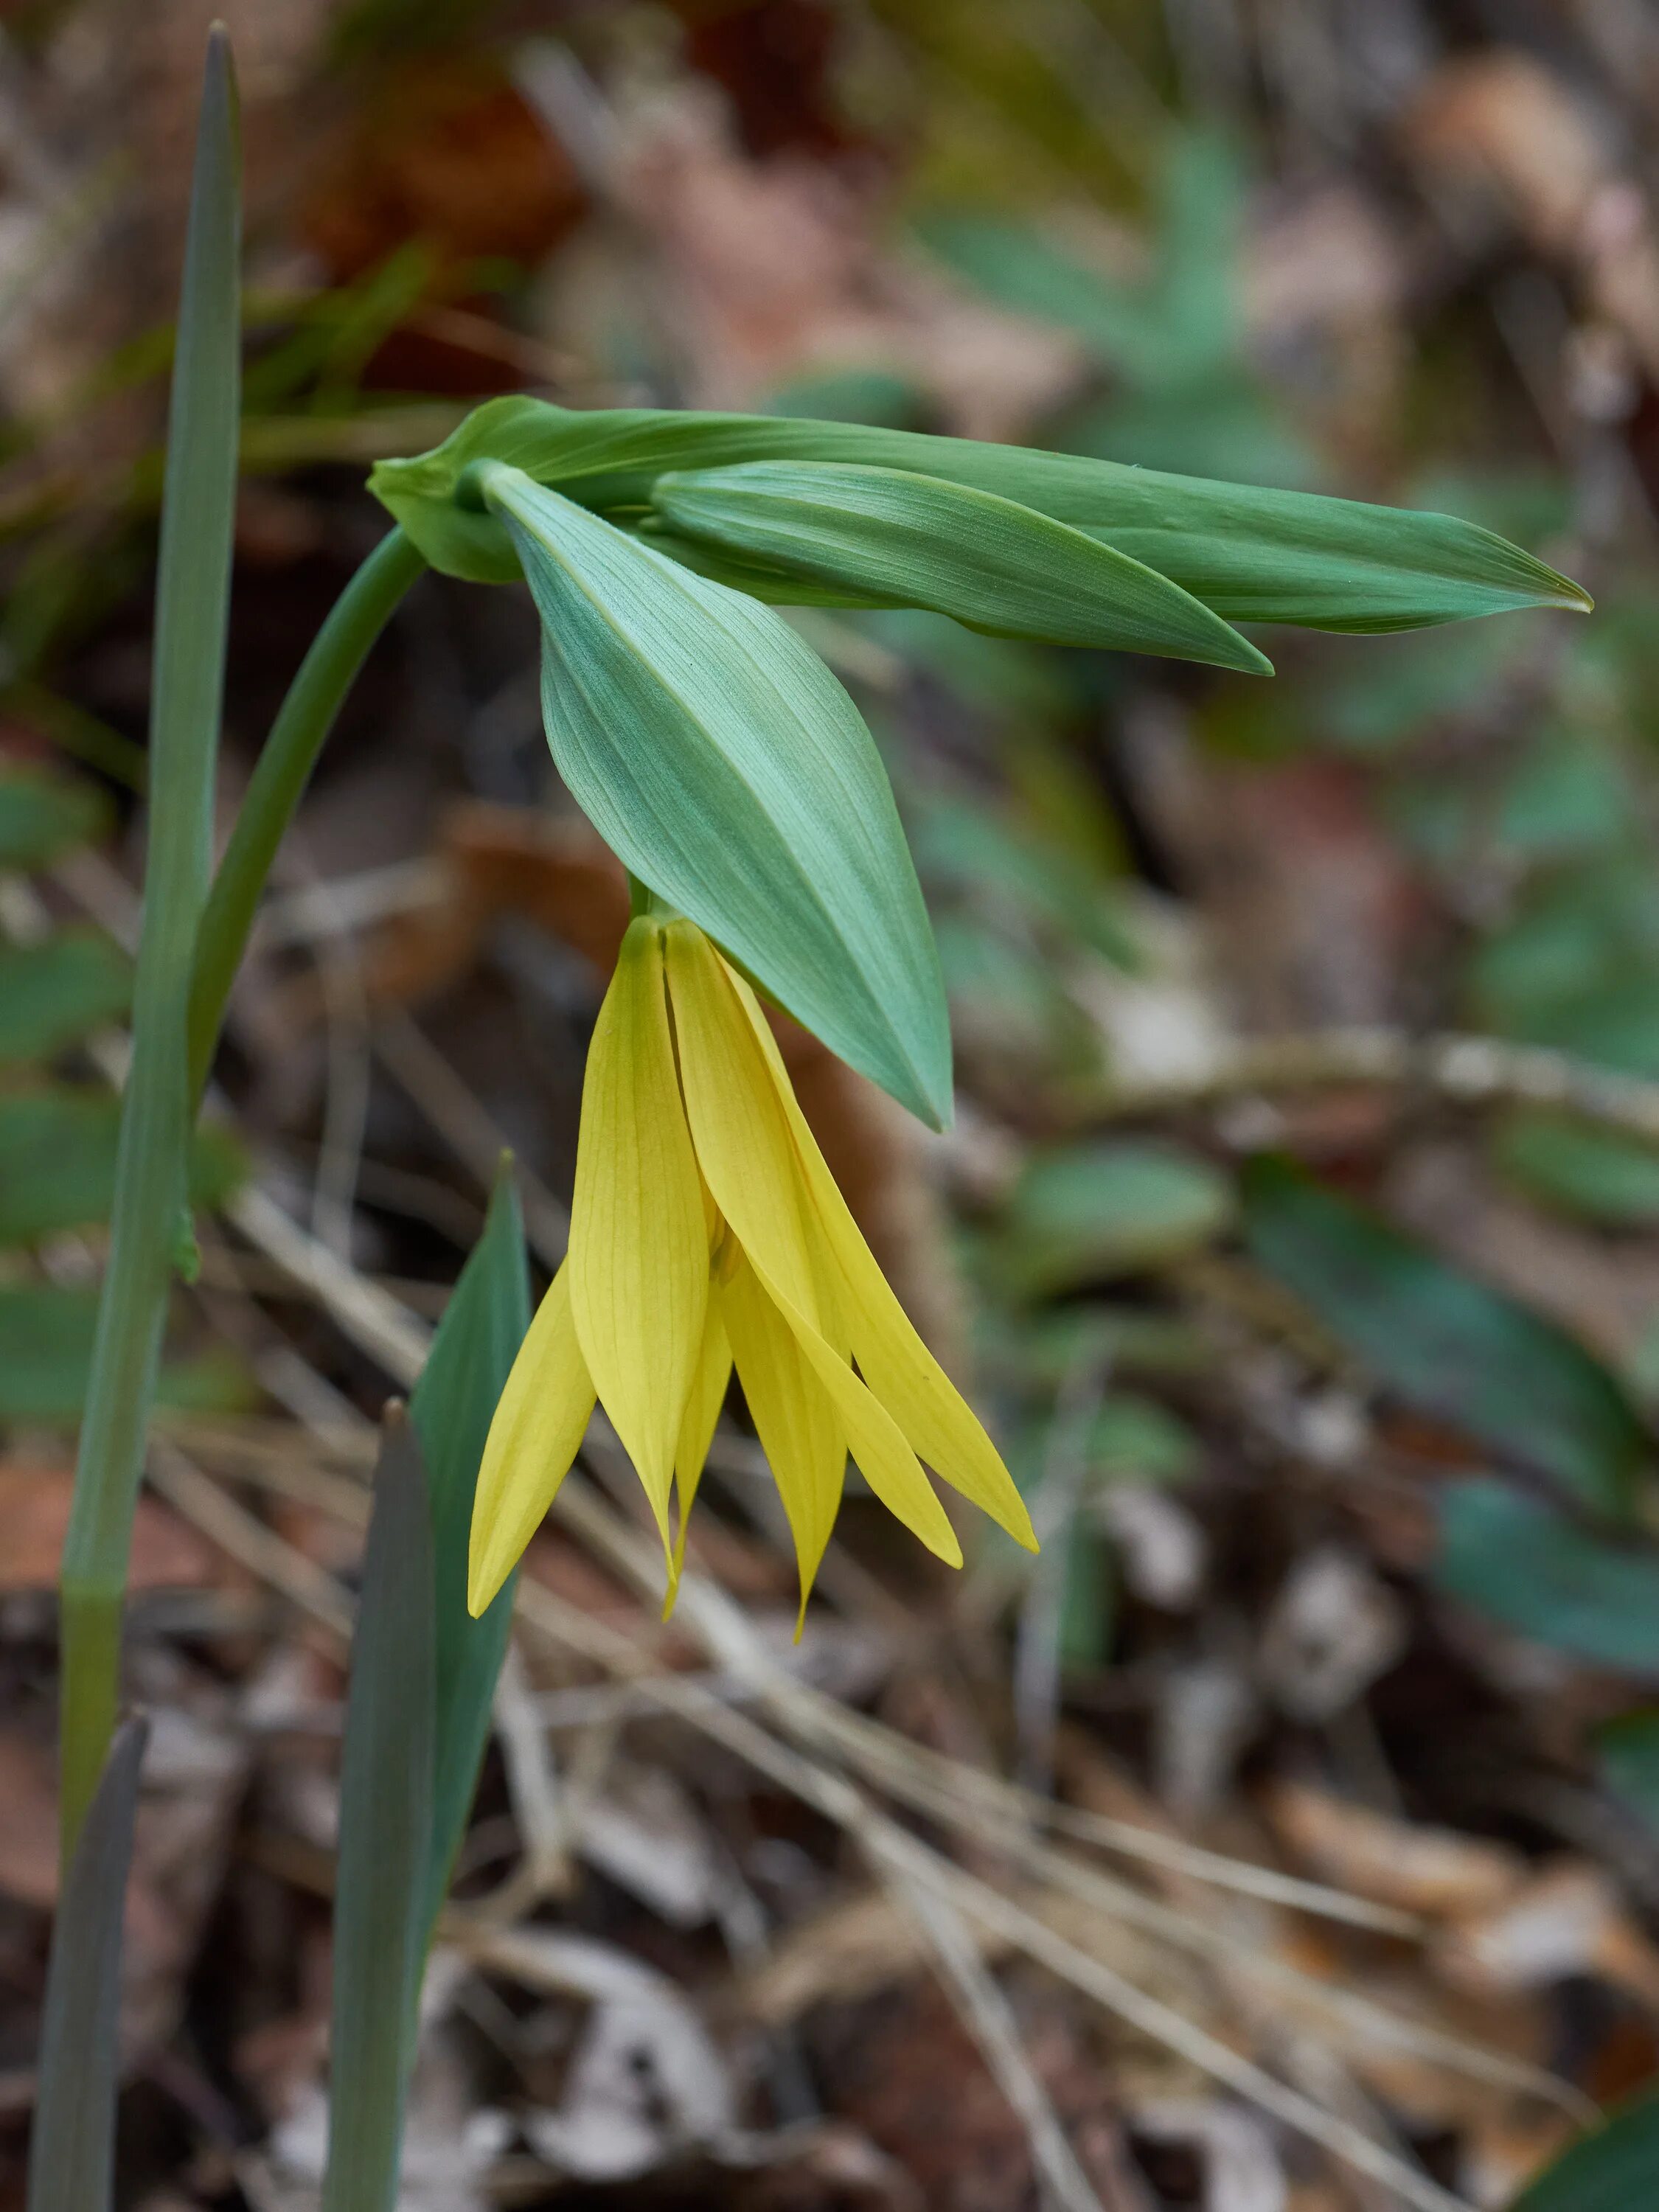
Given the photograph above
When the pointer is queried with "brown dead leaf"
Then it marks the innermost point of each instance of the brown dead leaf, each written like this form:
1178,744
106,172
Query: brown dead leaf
29,1834
826,2167
771,271
1430,1870
1312,908
450,153
904,2069
1504,122
1566,1920
34,1509
1501,2154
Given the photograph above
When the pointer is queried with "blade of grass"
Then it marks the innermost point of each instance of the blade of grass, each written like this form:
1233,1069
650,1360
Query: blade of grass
303,722
192,614
385,1826
483,1327
72,2147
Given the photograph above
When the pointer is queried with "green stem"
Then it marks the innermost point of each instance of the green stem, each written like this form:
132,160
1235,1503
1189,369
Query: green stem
148,1219
303,721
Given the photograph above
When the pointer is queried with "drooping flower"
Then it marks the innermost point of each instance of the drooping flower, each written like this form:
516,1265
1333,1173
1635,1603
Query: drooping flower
707,1230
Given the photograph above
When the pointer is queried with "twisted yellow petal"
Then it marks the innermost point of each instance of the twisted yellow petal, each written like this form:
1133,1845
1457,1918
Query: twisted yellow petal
749,1161
537,1431
638,1240
937,1420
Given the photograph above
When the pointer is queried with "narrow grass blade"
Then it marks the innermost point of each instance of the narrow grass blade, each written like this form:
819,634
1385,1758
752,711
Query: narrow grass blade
483,1327
72,2149
192,614
385,1821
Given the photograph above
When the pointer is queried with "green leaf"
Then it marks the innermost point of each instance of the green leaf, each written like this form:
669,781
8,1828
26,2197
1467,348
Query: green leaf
1009,1011
1627,1754
1250,555
1134,1439
451,1408
192,608
728,770
1595,1173
46,1354
1614,2170
1108,1209
72,2143
58,1148
1518,1560
976,849
58,991
1590,931
386,1829
1443,1342
855,395
42,816
889,536
1131,1439
1088,1604
1013,264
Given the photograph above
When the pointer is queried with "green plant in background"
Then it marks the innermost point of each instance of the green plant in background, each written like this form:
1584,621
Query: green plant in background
1185,395
59,987
726,766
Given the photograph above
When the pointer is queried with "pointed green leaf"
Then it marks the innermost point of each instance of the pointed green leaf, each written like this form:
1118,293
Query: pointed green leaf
1627,1756
192,605
46,1351
59,1147
42,816
1614,2170
910,540
1084,1212
1166,333
72,2146
1017,266
721,761
385,1826
477,1338
1518,1560
1449,1345
59,990
1250,555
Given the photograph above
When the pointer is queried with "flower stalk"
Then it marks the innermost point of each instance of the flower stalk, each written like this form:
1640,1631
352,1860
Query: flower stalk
279,779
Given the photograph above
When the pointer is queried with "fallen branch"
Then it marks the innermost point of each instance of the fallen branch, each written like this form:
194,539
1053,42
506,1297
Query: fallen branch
1466,1069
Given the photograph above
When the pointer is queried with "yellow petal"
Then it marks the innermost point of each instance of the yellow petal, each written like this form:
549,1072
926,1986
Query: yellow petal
938,1422
639,1239
702,1411
742,1137
749,1162
805,1445
537,1431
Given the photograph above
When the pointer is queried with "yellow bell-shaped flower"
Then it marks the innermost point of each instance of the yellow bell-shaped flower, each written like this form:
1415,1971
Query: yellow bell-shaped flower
706,1230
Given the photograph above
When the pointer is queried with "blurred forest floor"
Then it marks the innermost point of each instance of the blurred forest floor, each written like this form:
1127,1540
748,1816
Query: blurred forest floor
1299,1231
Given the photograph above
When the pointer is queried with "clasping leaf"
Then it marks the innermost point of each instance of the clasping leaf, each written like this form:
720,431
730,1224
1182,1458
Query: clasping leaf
1250,554
725,765
910,540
